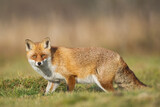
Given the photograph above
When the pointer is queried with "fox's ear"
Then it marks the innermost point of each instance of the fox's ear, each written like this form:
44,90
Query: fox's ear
29,45
46,43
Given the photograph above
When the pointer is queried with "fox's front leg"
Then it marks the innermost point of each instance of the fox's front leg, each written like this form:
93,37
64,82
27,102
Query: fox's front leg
70,83
51,87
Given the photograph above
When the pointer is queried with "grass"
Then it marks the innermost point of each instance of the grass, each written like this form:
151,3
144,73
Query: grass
21,86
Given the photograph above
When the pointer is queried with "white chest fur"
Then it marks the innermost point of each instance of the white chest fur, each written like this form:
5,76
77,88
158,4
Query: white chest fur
47,70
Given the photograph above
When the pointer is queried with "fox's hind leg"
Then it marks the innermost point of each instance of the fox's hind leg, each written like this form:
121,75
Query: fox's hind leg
108,85
105,85
104,77
98,83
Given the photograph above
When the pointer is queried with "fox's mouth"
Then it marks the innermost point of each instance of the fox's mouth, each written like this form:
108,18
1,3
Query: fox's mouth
39,65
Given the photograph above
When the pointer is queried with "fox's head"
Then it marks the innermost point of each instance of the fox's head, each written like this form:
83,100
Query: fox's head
38,53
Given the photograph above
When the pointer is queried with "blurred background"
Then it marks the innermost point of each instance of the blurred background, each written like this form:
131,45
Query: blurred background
126,26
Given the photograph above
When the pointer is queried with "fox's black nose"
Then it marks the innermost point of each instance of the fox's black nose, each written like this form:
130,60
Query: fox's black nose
39,63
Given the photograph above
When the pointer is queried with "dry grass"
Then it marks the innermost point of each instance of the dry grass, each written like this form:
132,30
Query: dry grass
121,25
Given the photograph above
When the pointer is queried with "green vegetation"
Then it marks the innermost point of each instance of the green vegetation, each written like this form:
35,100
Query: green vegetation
21,86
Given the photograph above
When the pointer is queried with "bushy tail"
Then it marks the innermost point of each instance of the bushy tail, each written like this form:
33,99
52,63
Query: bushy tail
126,79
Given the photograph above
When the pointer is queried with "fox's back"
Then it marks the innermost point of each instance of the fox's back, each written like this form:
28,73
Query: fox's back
84,61
96,55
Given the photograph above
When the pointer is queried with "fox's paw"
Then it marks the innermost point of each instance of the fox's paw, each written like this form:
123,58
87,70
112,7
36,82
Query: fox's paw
47,93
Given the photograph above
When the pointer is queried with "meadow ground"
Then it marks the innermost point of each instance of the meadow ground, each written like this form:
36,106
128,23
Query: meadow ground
21,86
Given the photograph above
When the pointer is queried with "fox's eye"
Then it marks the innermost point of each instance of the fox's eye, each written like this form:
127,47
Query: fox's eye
43,55
34,56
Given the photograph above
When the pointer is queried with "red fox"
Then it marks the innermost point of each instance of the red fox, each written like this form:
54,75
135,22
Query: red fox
81,65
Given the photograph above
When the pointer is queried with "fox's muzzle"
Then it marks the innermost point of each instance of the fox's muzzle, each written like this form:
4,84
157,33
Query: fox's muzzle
39,63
